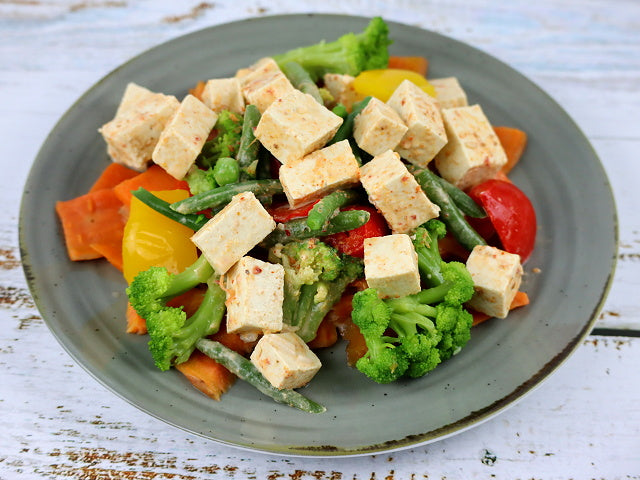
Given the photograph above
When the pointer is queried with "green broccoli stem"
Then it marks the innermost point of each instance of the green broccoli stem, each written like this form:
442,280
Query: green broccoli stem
301,80
193,221
433,295
248,372
406,324
223,195
198,272
204,322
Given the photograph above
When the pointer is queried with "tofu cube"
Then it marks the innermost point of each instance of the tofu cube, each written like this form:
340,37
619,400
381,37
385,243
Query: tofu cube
233,231
396,193
319,173
285,360
296,125
223,94
449,93
255,290
474,153
496,277
133,94
182,139
341,88
378,128
263,83
420,112
132,135
391,265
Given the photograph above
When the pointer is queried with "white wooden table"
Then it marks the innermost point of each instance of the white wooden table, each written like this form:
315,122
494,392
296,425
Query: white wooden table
583,423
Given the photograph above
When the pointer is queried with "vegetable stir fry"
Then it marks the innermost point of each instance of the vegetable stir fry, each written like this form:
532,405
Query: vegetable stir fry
332,191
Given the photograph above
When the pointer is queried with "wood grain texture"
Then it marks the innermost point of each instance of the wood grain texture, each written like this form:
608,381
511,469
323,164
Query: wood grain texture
583,423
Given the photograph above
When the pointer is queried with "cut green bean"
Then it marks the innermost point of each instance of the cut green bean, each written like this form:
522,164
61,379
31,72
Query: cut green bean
299,230
193,221
249,145
328,207
346,129
464,202
301,80
226,171
248,372
450,214
223,195
340,110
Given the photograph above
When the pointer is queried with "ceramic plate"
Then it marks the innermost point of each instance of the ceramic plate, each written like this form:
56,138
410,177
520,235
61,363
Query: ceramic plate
84,303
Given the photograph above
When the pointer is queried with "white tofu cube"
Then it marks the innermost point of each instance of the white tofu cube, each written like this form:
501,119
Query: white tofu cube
341,88
223,94
233,231
285,360
132,135
496,277
449,93
182,139
474,152
263,83
420,112
255,290
378,128
319,173
296,125
133,94
396,193
391,265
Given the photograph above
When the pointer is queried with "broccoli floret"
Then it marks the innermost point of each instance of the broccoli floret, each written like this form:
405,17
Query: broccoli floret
226,142
425,243
173,336
152,288
423,329
350,54
200,180
315,277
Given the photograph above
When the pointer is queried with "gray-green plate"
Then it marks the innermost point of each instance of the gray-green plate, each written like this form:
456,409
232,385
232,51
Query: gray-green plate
84,303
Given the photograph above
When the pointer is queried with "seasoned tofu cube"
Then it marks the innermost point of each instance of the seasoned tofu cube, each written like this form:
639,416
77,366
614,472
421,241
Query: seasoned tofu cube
233,231
496,278
133,94
255,290
182,139
421,114
263,83
319,173
341,88
391,265
132,135
378,128
285,360
396,193
223,94
474,153
296,125
449,93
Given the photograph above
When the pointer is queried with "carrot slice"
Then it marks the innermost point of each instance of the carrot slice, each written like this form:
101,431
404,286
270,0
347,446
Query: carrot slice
93,218
513,141
154,178
135,323
520,300
326,336
415,64
112,252
207,375
112,176
197,90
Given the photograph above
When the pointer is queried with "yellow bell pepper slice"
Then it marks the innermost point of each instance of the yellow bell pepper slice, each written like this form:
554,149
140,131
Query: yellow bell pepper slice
382,83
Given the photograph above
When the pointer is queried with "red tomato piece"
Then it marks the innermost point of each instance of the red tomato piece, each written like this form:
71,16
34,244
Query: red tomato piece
352,242
511,213
284,213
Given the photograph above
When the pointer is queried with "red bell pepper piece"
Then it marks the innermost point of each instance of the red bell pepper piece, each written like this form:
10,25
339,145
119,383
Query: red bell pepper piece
352,242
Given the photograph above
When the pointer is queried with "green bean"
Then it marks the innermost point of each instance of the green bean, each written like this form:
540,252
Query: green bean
223,195
249,144
193,221
450,214
463,201
299,230
346,129
226,171
340,110
248,372
328,206
301,80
